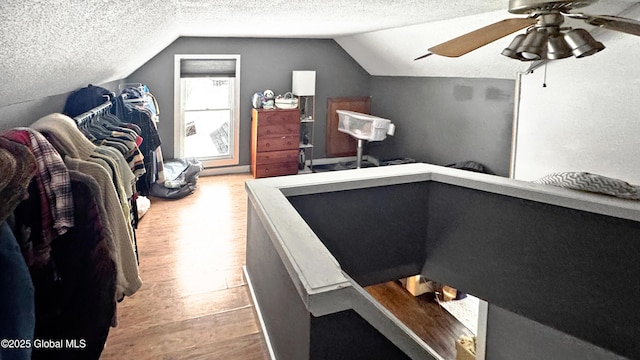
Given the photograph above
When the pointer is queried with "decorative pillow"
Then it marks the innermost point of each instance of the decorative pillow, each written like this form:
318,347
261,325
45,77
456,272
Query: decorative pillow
593,183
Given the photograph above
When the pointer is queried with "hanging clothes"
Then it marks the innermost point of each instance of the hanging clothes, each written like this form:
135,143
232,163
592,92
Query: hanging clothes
109,133
83,156
75,297
114,142
17,309
142,117
137,107
18,167
54,193
56,261
124,136
117,142
68,249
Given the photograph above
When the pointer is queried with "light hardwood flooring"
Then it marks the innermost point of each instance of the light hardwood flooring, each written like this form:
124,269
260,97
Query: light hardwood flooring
194,302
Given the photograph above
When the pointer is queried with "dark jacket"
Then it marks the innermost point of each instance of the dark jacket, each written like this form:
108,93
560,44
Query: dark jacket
75,295
17,315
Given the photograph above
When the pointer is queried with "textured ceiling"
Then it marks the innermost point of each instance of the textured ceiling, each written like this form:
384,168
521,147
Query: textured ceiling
53,46
318,18
49,47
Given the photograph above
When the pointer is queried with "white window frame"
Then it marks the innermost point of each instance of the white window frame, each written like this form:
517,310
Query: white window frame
179,123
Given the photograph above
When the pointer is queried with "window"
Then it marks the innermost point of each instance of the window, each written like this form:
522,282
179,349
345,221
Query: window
207,108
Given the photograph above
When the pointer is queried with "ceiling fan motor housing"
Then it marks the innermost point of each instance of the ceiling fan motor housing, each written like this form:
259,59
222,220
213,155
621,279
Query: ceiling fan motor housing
534,7
545,40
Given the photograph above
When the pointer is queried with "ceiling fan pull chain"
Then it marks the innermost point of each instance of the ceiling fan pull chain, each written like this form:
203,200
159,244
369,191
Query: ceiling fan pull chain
544,82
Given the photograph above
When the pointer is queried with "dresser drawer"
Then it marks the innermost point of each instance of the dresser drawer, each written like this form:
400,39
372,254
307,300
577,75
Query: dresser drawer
278,117
271,157
280,129
279,169
288,142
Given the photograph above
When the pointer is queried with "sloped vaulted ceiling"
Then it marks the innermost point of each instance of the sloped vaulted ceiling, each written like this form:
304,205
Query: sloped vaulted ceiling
50,47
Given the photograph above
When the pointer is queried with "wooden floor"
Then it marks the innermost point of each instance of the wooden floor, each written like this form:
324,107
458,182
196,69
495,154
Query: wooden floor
423,315
195,303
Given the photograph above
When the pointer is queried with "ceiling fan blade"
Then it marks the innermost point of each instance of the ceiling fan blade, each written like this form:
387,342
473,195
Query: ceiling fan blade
616,23
481,37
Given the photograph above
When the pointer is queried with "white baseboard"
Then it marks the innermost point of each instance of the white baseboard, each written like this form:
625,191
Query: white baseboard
226,170
259,314
481,336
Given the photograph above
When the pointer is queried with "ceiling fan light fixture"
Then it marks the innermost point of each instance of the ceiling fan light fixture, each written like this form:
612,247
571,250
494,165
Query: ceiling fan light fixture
511,50
582,43
545,38
558,48
533,46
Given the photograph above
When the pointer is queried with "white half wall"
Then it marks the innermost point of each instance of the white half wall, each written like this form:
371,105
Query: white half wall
588,116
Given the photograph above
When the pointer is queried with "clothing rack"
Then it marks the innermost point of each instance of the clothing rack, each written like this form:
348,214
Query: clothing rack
136,100
126,99
128,85
87,116
100,109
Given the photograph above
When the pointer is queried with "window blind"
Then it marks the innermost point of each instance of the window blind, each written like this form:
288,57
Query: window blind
207,67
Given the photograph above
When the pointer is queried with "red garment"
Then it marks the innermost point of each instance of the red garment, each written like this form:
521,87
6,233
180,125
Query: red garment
53,183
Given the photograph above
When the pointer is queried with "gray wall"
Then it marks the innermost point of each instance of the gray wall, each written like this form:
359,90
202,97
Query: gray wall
439,120
285,316
395,213
539,261
514,337
293,332
26,113
265,64
549,294
446,120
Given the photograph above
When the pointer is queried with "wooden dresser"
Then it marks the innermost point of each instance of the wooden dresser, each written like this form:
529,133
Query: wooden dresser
275,140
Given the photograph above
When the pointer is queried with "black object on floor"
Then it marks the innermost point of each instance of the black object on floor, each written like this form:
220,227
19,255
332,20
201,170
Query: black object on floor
341,166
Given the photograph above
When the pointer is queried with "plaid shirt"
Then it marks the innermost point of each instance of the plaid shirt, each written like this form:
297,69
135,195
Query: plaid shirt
53,182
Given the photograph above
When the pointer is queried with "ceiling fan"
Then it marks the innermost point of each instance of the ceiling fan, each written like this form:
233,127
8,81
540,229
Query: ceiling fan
545,38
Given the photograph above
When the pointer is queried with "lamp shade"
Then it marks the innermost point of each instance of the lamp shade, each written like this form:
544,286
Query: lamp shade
582,43
533,46
510,51
558,48
303,83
